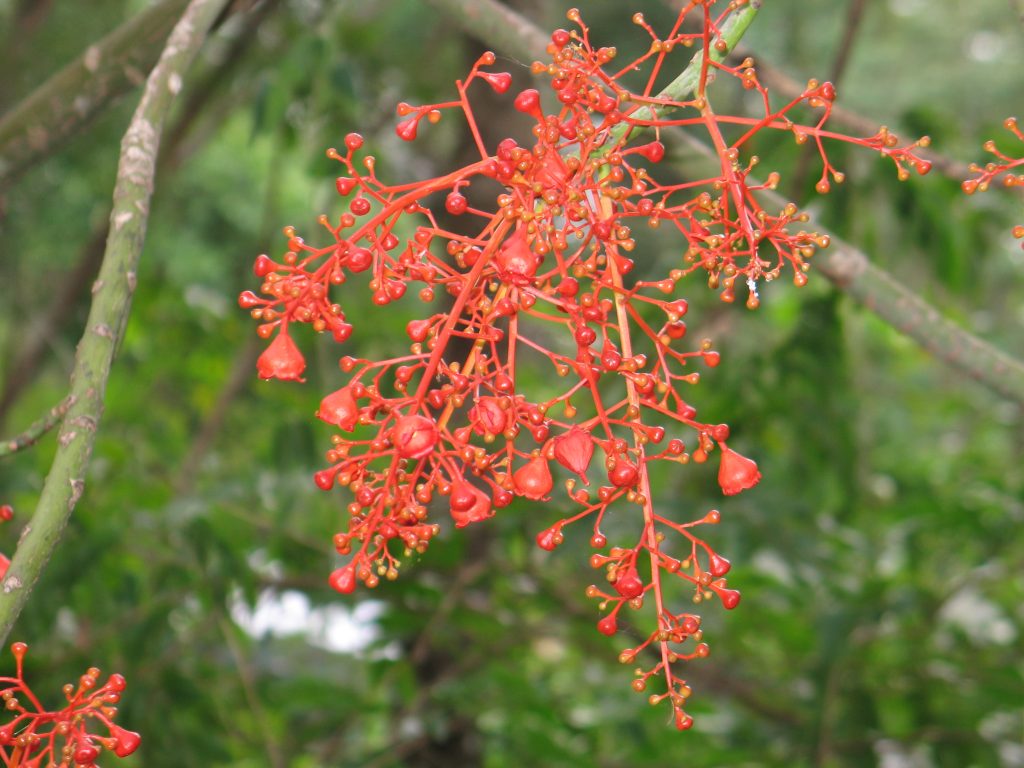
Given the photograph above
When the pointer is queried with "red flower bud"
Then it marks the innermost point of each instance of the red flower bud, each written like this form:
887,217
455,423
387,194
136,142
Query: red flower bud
125,741
488,417
414,436
736,472
499,81
574,450
281,360
534,479
418,330
86,753
624,474
608,625
469,504
719,566
263,266
529,102
116,682
344,579
340,408
730,597
549,538
629,585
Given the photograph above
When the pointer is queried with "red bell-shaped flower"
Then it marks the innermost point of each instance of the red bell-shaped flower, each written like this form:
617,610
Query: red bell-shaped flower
281,360
574,450
736,472
516,263
340,408
469,504
414,436
533,480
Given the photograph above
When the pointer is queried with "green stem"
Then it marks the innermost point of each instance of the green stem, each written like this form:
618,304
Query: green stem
62,105
37,429
108,314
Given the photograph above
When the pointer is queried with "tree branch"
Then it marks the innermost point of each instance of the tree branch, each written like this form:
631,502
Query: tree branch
37,429
496,24
108,314
845,266
38,338
78,92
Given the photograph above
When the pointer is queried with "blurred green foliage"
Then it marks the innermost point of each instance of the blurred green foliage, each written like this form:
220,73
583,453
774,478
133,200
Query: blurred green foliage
880,558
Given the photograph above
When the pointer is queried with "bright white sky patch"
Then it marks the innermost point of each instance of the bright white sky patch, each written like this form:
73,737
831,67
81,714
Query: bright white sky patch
336,628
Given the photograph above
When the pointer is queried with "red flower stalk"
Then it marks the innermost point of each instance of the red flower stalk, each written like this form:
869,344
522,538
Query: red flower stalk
38,737
547,277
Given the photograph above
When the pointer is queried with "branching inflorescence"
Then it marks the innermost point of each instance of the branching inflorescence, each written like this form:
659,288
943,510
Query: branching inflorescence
1006,169
40,738
547,278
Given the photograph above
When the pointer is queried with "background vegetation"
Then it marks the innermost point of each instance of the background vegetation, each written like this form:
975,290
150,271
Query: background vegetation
880,558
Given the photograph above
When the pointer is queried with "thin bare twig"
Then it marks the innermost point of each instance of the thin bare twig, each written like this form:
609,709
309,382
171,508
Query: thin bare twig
37,429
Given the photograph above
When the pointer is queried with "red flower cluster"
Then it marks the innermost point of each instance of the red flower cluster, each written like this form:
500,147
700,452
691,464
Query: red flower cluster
547,279
41,738
1005,169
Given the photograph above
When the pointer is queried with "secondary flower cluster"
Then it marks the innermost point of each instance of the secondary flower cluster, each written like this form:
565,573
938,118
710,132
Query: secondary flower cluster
1005,168
40,738
546,279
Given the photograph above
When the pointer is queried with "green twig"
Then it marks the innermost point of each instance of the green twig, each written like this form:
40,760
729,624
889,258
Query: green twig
848,268
108,314
77,93
37,429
